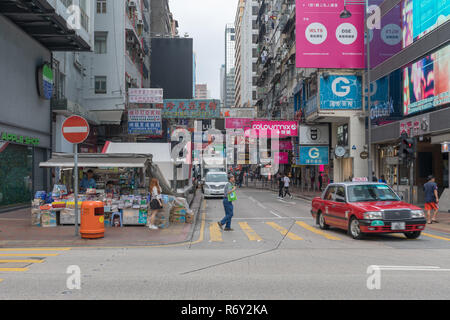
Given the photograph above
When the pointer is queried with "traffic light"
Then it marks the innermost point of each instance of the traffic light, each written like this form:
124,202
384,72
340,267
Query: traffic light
407,150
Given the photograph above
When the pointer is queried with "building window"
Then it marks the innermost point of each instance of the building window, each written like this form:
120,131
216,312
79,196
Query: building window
232,37
101,6
100,84
100,42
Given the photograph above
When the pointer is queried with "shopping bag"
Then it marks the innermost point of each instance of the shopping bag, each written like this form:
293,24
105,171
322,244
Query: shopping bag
232,196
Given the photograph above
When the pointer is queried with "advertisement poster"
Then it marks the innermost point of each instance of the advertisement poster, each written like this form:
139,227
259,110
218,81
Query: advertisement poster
324,39
386,41
426,83
420,17
145,122
282,157
190,109
340,92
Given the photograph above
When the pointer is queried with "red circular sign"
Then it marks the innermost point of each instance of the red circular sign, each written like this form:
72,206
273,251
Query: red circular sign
75,129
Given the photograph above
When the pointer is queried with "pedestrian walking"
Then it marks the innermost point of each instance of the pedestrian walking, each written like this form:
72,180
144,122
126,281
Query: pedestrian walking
155,203
228,198
287,181
374,177
431,199
383,179
320,182
280,186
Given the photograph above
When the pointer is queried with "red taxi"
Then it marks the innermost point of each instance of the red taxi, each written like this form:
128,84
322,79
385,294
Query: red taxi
364,207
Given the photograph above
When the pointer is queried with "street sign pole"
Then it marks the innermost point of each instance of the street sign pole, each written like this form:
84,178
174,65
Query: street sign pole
75,182
75,130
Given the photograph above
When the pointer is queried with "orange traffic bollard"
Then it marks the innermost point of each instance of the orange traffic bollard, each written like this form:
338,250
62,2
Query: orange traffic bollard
92,220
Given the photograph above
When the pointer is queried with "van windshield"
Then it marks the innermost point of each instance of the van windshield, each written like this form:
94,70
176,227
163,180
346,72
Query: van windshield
216,178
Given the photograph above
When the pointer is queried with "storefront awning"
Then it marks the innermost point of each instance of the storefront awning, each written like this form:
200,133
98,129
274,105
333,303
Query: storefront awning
94,160
112,117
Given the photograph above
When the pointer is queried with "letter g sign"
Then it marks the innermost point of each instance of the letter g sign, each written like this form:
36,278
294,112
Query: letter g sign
344,90
314,153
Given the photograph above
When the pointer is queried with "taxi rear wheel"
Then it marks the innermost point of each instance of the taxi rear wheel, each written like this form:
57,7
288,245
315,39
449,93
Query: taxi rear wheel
321,220
354,229
412,234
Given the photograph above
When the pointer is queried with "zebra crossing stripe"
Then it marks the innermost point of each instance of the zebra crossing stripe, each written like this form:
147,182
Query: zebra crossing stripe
251,234
284,231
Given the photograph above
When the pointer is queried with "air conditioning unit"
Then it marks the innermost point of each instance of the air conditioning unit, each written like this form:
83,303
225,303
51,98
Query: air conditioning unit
132,4
130,39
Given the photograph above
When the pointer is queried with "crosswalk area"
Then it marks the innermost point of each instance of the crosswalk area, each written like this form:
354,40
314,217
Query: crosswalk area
293,230
22,259
269,230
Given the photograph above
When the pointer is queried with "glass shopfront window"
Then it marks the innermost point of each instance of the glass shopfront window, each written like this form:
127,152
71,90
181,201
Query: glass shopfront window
15,174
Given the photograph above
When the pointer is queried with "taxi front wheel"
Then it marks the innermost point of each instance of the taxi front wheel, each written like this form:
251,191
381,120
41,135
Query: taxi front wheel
354,229
412,234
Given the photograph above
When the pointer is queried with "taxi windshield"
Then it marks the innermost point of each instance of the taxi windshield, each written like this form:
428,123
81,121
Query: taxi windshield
376,192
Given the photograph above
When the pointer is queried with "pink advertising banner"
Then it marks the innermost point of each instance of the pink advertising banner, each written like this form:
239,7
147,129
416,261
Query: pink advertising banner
237,123
285,145
282,128
324,39
282,157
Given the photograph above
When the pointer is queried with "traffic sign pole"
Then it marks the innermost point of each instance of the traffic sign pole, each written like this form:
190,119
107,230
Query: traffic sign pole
75,130
75,182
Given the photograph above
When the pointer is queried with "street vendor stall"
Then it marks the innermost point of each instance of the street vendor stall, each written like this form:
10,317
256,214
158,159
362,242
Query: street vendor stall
120,181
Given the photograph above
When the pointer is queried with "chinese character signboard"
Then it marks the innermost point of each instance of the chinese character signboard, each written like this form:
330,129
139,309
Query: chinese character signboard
324,39
145,122
340,92
315,156
191,109
145,95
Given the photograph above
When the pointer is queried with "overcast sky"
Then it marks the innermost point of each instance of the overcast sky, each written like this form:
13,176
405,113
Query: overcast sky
204,21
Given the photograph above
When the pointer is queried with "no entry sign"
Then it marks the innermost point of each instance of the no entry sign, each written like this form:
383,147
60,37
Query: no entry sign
75,129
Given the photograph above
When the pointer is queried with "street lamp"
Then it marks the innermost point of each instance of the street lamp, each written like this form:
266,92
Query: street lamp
344,15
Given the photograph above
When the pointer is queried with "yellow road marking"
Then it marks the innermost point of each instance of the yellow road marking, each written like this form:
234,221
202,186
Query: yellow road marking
214,232
436,237
251,234
35,249
315,230
284,231
21,261
28,254
13,269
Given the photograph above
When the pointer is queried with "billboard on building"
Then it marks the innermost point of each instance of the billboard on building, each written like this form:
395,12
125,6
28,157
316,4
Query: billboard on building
420,17
386,40
426,83
324,39
172,67
282,128
314,134
340,92
313,155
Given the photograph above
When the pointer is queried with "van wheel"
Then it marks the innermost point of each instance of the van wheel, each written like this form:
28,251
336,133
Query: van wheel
321,221
413,234
354,229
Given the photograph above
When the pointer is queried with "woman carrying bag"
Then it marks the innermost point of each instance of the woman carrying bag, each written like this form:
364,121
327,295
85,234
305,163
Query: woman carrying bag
155,203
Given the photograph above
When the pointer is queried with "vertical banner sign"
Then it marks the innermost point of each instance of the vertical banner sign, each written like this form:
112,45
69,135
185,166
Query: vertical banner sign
325,39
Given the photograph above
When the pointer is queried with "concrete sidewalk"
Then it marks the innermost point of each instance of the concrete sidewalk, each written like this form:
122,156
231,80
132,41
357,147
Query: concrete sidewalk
443,218
16,231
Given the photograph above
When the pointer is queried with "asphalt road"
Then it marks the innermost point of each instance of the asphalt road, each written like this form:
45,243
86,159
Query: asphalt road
274,252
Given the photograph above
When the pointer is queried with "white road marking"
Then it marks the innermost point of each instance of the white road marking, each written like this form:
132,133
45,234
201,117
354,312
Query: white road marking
261,205
275,214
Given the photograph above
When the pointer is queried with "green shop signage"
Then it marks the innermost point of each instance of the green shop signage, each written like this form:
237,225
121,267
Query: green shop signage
9,137
45,81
